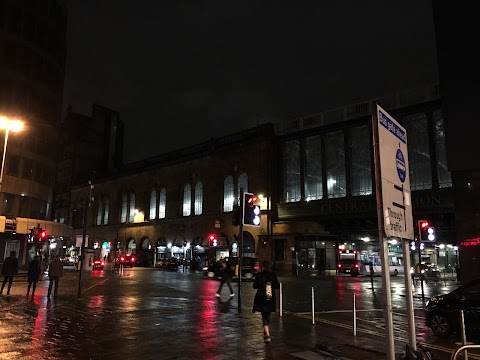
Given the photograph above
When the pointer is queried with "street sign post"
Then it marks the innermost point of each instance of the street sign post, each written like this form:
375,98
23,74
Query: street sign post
396,199
394,210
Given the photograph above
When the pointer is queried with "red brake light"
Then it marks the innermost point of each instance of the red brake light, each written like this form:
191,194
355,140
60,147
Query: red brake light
356,265
339,265
256,267
122,259
102,263
133,259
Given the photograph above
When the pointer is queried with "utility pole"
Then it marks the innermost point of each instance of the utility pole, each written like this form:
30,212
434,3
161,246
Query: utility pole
240,252
84,236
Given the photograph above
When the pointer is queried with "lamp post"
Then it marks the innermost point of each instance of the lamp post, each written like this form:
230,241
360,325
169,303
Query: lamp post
9,125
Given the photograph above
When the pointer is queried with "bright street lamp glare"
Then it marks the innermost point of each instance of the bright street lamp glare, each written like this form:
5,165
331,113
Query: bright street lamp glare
16,125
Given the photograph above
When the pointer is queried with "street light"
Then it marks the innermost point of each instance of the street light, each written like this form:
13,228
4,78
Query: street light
9,125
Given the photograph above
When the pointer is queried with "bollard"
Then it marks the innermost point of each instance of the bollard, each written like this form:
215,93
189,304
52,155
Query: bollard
281,300
354,316
464,337
313,306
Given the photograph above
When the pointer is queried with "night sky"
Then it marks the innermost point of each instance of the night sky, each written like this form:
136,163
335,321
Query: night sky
182,72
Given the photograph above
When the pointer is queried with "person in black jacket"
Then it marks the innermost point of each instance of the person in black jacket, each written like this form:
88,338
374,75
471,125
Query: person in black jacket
33,274
226,279
266,282
9,270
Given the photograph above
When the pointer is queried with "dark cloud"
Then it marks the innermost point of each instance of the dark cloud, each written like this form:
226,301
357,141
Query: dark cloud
185,71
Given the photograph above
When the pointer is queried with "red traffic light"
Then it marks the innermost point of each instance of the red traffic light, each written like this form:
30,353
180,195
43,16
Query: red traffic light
423,224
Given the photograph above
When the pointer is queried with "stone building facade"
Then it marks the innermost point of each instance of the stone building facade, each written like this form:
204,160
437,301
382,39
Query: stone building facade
316,177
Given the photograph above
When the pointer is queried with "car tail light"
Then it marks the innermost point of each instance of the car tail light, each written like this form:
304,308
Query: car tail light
356,266
122,259
133,259
256,267
339,265
102,263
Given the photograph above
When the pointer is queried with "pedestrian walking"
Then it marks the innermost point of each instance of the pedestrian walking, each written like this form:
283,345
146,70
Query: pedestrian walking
55,272
266,282
226,279
33,274
9,270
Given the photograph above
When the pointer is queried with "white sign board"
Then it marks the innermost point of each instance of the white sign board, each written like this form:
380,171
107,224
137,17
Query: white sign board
397,204
79,240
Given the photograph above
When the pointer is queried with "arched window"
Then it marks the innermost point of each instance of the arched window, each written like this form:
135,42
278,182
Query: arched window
132,208
228,194
106,212
153,205
187,200
242,184
123,214
162,204
198,198
100,212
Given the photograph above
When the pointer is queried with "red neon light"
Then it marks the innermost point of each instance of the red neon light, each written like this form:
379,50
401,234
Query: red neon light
470,242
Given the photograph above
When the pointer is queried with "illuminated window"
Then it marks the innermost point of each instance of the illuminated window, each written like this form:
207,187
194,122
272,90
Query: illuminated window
106,212
131,210
291,171
360,160
153,205
100,213
313,168
335,164
187,200
444,176
123,214
418,151
242,184
228,198
162,204
199,198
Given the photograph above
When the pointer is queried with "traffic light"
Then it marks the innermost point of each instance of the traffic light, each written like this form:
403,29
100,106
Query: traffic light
31,236
426,231
42,235
212,240
251,211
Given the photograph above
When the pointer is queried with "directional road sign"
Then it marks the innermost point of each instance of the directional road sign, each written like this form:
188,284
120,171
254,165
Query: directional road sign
397,204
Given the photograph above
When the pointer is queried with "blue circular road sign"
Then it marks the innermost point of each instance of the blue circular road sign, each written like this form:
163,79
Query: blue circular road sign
401,166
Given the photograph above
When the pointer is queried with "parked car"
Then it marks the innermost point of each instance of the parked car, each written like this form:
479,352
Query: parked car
125,260
250,267
172,264
161,263
98,264
443,311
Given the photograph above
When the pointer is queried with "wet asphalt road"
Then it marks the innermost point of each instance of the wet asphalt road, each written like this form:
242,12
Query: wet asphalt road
157,314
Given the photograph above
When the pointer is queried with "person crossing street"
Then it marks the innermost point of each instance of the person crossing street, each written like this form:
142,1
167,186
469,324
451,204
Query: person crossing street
226,276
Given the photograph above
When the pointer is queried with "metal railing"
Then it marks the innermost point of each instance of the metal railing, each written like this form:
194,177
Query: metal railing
463,348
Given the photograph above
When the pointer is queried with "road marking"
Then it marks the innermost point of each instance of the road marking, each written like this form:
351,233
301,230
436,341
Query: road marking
101,282
375,333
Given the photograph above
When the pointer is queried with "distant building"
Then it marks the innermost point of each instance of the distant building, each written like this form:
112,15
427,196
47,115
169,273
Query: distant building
32,68
316,178
455,30
90,146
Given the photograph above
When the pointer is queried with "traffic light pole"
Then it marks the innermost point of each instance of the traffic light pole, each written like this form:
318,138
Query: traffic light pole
240,252
84,238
